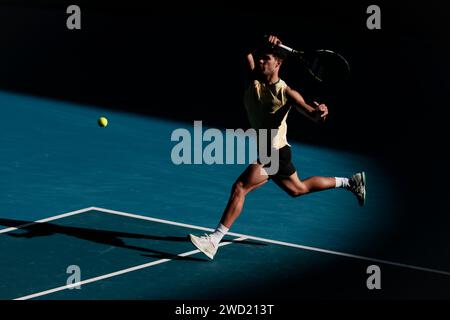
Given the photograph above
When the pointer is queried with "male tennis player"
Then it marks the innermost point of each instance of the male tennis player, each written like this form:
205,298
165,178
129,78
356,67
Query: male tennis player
268,100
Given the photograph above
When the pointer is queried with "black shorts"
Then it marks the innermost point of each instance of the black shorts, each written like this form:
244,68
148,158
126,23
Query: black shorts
286,167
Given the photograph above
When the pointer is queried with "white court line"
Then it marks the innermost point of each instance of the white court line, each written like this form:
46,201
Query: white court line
47,219
287,244
241,237
117,273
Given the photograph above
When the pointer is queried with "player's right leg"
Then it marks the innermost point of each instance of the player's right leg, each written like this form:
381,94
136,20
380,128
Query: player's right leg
253,177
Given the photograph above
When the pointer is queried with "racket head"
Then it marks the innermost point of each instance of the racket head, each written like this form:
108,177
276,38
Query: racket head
325,65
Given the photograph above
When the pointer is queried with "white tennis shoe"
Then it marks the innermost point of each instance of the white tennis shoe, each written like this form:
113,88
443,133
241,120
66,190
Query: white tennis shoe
358,186
205,244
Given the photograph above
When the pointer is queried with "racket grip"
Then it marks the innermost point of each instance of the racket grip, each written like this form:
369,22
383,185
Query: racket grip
293,51
284,47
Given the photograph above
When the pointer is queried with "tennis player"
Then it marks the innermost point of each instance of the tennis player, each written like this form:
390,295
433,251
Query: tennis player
268,101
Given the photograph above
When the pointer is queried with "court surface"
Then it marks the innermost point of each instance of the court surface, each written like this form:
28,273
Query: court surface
110,202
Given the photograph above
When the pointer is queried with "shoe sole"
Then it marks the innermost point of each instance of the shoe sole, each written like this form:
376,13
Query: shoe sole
195,243
363,175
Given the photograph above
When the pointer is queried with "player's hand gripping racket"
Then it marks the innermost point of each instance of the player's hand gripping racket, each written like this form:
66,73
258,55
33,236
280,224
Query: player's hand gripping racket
324,65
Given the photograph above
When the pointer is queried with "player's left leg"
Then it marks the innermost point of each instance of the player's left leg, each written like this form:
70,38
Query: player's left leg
296,187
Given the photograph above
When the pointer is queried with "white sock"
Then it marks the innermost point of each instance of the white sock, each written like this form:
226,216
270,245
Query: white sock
219,233
342,182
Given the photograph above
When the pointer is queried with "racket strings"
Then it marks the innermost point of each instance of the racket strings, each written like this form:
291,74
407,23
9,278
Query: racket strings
326,65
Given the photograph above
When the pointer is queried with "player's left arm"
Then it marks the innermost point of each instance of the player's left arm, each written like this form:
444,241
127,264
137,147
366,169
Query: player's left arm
316,114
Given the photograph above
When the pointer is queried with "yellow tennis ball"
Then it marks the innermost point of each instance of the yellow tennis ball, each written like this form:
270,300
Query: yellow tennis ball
102,122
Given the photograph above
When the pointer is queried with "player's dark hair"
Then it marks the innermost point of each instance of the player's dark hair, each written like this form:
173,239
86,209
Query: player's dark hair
276,51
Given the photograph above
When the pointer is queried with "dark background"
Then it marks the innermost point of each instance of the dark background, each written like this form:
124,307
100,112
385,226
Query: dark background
186,62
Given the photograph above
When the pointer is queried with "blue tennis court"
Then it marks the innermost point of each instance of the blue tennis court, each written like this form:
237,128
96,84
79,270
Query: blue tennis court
111,202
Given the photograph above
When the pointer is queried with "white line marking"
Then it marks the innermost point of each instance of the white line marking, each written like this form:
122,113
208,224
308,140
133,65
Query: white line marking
287,244
136,216
47,219
241,238
117,273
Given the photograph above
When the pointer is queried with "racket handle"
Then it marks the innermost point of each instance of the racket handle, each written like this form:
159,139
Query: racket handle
285,47
290,49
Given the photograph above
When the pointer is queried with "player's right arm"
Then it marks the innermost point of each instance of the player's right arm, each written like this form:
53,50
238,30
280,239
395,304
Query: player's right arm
251,61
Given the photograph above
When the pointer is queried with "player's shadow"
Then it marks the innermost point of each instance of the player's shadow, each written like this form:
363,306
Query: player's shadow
111,238
28,229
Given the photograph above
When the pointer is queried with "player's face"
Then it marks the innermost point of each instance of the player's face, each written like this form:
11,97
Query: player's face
268,64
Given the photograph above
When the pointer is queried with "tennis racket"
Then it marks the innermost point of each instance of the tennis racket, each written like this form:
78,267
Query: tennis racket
324,65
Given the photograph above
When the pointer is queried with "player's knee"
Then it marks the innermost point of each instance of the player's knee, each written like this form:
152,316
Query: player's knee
298,191
239,188
294,193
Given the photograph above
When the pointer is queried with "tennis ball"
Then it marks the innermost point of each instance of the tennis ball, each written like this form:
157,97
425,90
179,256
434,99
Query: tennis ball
102,122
